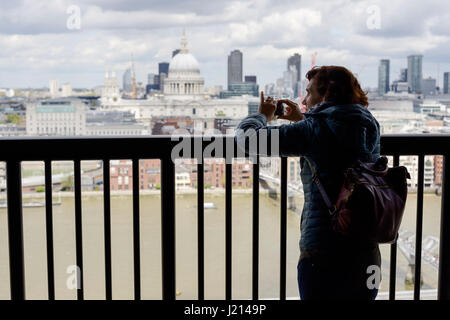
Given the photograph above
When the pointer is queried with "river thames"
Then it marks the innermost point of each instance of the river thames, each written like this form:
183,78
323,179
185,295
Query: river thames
186,247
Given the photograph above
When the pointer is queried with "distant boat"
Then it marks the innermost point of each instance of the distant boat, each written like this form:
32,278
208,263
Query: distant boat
32,204
209,205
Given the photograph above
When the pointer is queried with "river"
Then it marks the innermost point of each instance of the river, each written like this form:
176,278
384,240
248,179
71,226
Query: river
186,247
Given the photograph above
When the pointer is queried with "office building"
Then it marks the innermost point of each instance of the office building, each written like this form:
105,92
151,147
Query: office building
446,83
151,78
403,75
429,86
62,117
126,79
296,61
240,89
66,90
250,79
54,88
235,67
163,67
163,71
415,73
294,65
383,77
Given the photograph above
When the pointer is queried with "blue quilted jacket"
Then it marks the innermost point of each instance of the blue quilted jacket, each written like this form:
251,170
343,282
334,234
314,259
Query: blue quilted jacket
333,136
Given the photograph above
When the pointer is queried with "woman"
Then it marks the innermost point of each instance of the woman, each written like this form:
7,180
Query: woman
336,130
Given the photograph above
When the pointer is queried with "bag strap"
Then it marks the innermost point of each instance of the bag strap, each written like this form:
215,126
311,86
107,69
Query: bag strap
315,177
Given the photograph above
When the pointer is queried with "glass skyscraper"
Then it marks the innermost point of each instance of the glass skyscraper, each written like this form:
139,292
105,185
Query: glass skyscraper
127,80
415,73
446,75
294,62
383,76
235,67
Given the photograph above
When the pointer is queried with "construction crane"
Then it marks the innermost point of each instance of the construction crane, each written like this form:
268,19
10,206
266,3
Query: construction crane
133,79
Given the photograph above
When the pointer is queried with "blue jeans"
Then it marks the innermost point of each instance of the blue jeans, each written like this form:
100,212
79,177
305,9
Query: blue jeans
315,283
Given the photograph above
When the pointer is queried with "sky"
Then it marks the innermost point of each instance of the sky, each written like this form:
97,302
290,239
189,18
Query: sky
75,41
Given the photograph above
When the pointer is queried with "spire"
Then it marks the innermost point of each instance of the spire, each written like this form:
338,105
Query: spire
107,73
184,48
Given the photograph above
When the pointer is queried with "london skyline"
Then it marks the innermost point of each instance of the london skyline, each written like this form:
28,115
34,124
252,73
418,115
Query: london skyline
38,45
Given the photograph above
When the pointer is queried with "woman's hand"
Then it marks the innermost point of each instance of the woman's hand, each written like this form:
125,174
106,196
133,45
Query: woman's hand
267,107
293,112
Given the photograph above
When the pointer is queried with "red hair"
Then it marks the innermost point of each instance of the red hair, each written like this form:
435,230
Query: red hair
338,84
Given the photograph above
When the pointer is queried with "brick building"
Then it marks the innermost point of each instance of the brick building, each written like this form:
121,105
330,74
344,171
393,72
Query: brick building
438,170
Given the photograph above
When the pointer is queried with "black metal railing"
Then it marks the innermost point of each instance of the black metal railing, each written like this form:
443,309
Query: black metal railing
16,150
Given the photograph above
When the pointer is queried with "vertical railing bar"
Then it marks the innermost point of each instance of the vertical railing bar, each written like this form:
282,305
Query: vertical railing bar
255,261
168,227
228,230
444,242
78,227
15,230
107,227
283,228
201,230
136,231
393,265
419,223
49,229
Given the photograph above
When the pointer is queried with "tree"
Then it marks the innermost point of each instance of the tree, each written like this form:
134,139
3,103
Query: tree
13,118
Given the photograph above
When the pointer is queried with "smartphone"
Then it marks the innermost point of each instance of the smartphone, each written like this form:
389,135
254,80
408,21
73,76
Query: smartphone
281,110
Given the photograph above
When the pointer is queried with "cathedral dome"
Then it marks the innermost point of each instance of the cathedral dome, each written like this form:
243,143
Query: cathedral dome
184,80
184,62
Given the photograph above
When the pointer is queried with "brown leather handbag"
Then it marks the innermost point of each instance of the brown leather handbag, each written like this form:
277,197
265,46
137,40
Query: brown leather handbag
371,202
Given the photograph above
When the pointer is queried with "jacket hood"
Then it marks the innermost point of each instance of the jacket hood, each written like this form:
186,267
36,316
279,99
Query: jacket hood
352,124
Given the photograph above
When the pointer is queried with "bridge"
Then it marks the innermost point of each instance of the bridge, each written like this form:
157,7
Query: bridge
430,248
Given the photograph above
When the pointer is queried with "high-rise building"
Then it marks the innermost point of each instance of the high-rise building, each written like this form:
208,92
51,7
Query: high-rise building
163,67
66,90
152,82
296,61
54,88
250,79
235,67
127,80
383,77
294,65
415,73
403,75
429,86
163,71
152,78
446,82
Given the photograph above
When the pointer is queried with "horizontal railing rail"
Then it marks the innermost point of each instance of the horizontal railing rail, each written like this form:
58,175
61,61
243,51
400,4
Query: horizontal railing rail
48,149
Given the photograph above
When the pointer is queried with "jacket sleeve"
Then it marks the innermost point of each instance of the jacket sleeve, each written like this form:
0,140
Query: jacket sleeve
288,139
